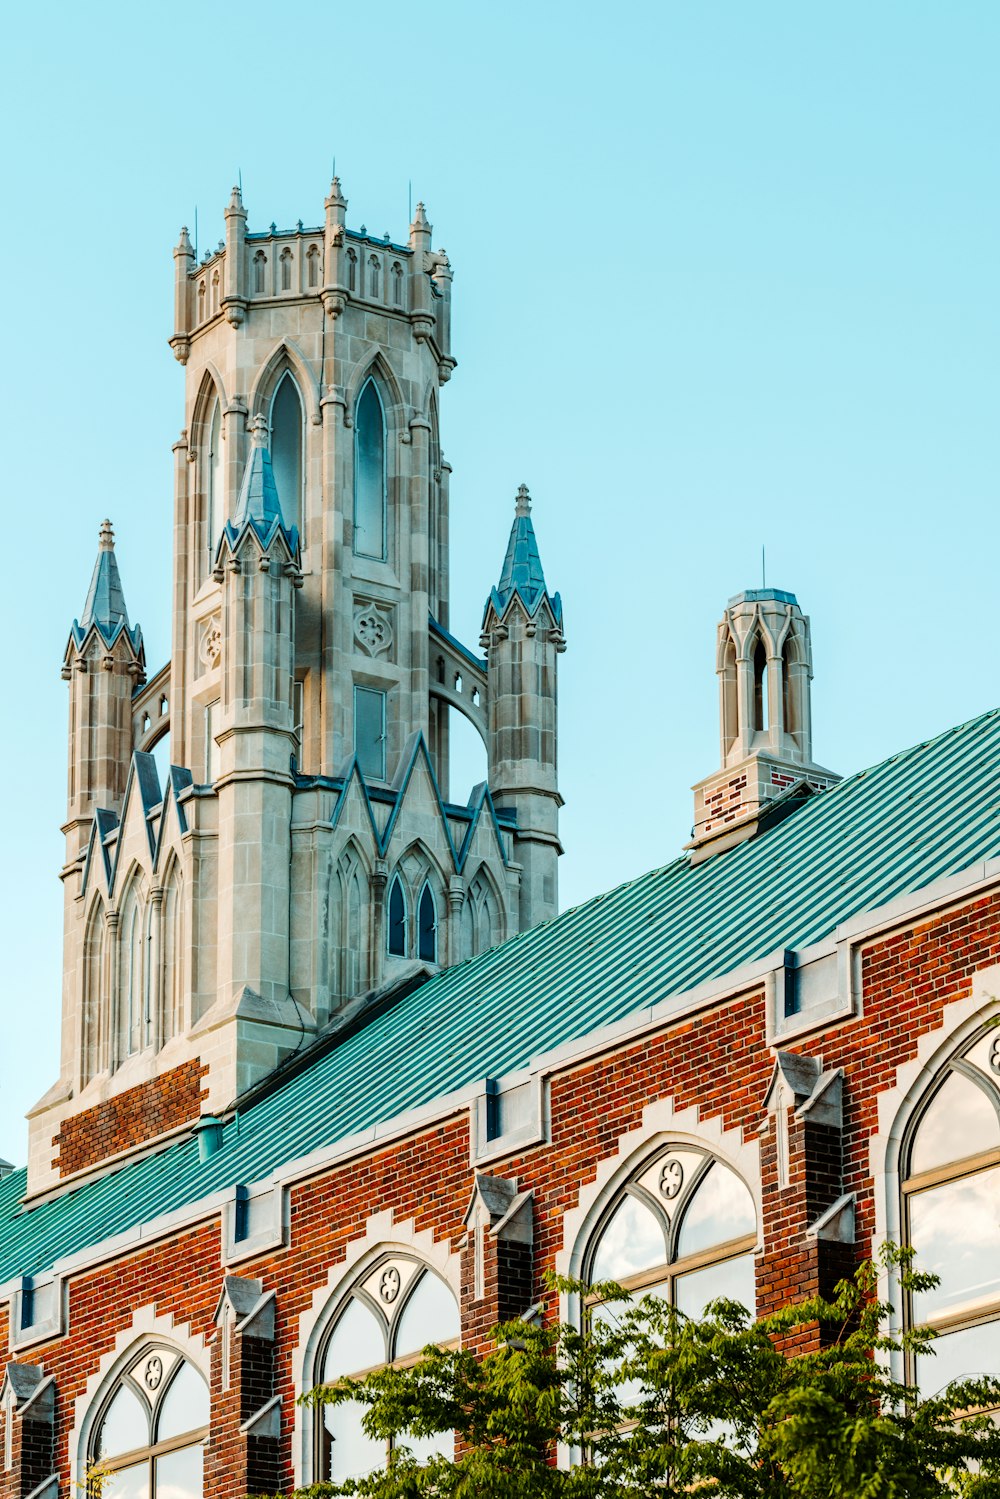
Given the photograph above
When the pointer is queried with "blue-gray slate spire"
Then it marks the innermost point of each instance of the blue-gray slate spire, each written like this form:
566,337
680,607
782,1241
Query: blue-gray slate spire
105,605
522,566
258,504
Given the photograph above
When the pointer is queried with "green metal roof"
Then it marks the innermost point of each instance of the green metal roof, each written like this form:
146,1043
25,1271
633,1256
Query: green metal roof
928,812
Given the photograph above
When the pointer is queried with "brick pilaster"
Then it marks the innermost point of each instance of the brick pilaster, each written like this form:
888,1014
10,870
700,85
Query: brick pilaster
242,1455
497,1258
27,1411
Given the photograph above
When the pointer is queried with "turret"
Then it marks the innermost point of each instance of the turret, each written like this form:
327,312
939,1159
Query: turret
184,262
764,665
235,293
257,564
104,663
522,636
335,282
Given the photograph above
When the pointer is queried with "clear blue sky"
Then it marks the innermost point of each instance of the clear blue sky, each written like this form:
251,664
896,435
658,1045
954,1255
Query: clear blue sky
725,274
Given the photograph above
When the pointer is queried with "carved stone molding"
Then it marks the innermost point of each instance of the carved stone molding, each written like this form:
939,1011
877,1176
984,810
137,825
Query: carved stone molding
210,640
373,629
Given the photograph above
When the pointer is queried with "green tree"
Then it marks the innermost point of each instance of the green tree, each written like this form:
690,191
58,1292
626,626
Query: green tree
647,1401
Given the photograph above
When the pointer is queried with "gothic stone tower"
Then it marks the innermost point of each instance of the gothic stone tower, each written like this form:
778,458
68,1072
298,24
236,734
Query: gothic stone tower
764,665
301,851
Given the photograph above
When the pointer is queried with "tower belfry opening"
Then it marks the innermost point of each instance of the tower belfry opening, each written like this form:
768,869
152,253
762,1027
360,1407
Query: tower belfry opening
302,848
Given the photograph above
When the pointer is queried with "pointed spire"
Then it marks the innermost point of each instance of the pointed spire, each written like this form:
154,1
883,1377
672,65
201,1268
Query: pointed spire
336,196
522,566
105,604
420,230
258,500
236,199
184,245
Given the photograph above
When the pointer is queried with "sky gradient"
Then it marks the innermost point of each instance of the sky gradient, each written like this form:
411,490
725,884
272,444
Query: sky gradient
726,276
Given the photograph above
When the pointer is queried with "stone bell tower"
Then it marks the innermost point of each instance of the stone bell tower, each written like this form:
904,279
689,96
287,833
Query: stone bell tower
764,665
300,845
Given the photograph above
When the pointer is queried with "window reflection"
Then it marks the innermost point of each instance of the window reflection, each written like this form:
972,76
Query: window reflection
393,1313
953,1221
158,1411
632,1241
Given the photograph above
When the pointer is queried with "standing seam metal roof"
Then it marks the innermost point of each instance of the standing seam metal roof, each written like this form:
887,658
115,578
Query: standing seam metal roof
919,815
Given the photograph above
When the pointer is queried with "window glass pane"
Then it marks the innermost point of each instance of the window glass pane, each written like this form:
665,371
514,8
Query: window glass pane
358,1343
430,1316
956,1234
125,1426
286,449
179,1474
632,1241
734,1279
214,504
959,1121
427,943
369,474
424,1448
960,1355
185,1405
127,1483
721,1209
397,920
369,731
352,1453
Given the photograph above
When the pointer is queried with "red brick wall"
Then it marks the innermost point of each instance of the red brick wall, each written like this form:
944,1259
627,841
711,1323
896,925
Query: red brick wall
131,1118
717,1062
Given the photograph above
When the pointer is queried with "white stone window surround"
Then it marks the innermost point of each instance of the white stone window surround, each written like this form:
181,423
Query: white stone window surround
146,1327
384,1236
898,1105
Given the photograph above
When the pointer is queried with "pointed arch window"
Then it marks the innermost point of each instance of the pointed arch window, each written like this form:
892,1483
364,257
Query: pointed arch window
171,1018
396,933
286,448
131,996
149,1436
312,264
369,473
374,277
760,687
94,1041
285,264
684,1228
352,271
353,944
480,918
215,500
427,926
397,284
259,273
396,1309
951,1184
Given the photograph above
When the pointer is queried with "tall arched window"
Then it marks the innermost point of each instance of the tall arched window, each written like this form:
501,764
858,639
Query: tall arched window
369,473
353,945
480,917
95,1008
285,263
286,448
171,1020
131,998
390,1317
684,1228
312,265
760,689
352,271
259,273
427,926
396,935
150,1434
951,1188
374,277
214,483
397,284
